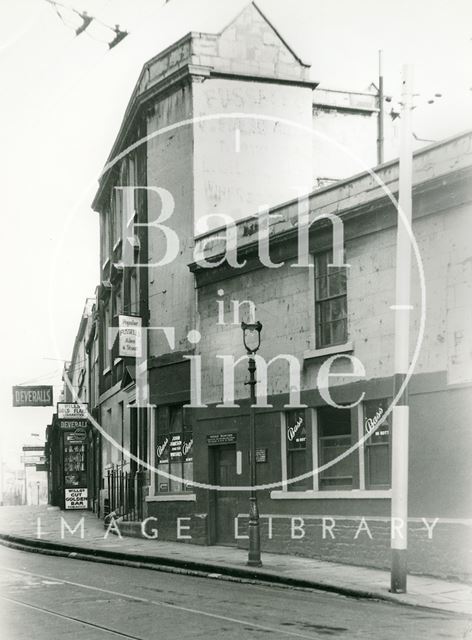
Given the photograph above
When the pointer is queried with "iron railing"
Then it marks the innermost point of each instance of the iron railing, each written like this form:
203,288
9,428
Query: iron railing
125,493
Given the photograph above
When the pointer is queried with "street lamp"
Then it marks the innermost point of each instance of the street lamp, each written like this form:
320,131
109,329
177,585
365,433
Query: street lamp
252,342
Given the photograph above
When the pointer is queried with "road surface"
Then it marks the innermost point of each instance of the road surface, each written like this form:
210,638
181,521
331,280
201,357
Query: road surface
48,598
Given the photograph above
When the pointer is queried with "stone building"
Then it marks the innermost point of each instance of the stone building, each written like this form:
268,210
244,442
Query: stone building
227,127
319,313
219,124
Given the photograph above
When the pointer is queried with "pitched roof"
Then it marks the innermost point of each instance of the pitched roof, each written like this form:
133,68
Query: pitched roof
171,23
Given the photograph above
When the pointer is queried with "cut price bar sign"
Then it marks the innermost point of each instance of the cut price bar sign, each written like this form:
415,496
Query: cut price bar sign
75,498
38,396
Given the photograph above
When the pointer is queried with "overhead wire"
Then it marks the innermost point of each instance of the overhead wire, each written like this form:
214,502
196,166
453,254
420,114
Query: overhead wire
87,20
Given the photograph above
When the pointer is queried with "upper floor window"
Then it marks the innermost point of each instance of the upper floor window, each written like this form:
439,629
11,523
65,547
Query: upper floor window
330,301
117,203
107,338
105,236
133,292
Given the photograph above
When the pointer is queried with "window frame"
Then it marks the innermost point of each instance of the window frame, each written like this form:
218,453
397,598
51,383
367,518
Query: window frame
292,450
358,490
320,303
324,438
369,446
186,435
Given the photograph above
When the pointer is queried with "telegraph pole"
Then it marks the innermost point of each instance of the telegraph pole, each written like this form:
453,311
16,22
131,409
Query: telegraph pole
402,307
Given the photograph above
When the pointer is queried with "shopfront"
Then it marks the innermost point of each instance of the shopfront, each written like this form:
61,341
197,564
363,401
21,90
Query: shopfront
69,458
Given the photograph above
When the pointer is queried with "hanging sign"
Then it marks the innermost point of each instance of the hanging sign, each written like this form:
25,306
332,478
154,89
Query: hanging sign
32,459
72,410
129,336
72,424
38,396
75,498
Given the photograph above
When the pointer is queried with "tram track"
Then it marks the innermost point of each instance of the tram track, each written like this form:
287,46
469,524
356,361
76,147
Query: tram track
63,616
159,603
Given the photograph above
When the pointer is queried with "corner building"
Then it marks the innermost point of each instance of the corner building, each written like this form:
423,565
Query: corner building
219,127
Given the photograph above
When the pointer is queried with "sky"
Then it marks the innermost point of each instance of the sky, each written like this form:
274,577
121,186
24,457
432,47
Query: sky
62,102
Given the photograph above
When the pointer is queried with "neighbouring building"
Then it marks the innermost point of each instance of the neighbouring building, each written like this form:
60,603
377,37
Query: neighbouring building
73,444
34,490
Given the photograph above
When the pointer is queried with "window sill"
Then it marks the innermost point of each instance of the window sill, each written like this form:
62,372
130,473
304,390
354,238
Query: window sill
328,351
173,497
354,494
105,371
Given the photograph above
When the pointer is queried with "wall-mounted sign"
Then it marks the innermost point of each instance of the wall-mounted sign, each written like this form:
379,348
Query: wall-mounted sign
261,455
72,410
75,498
221,438
41,467
38,396
129,336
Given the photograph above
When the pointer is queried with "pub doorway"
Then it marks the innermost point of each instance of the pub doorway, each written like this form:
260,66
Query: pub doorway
224,503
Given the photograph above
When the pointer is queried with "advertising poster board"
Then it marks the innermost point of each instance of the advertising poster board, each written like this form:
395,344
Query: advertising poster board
75,498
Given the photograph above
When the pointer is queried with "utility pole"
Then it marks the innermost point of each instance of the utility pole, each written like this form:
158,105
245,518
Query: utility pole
380,117
400,426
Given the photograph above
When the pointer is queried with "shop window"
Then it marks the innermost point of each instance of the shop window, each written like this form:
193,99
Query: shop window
174,450
377,446
334,438
297,453
330,302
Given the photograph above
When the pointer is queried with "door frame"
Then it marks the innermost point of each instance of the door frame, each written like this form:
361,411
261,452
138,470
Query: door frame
213,451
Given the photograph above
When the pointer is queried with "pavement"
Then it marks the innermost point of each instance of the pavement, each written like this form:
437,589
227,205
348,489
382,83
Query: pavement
19,528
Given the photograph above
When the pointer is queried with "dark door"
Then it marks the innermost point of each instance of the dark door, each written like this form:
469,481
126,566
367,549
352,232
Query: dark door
225,502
